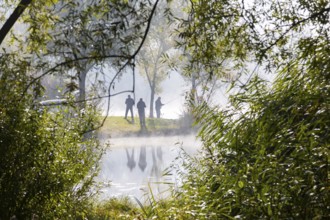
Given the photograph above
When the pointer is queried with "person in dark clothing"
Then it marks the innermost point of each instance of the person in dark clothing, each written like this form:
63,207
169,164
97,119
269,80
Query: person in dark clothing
141,109
158,106
129,107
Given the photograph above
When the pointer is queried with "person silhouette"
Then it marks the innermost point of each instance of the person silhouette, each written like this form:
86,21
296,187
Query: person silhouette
158,106
129,107
141,109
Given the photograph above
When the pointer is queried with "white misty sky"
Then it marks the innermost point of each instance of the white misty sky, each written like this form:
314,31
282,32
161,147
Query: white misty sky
173,95
174,89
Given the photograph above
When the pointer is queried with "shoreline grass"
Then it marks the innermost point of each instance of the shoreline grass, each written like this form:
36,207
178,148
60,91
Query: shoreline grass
117,126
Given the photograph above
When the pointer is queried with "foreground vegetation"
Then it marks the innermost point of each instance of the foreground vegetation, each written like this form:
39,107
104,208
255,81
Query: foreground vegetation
265,156
269,163
115,208
48,158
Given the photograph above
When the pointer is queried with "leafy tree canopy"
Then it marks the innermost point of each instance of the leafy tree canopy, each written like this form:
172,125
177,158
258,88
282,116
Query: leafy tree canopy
266,156
49,156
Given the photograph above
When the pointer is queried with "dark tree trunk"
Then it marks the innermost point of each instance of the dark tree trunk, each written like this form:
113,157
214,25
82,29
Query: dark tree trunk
82,88
13,18
152,98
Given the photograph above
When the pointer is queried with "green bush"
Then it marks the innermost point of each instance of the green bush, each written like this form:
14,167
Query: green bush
114,208
46,165
267,156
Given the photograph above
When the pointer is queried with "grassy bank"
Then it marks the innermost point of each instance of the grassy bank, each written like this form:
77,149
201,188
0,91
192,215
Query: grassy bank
114,208
116,126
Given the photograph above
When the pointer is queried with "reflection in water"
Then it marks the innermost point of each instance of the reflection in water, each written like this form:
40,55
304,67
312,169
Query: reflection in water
154,169
142,159
159,153
156,160
130,160
152,155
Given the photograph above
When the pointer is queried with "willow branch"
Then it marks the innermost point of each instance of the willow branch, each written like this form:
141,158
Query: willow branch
293,25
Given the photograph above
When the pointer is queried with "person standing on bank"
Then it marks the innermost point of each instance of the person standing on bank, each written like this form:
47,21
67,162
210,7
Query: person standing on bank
158,106
129,107
141,109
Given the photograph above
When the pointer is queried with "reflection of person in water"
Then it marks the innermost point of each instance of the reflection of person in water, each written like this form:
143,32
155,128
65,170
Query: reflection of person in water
129,107
143,159
130,160
141,109
159,153
155,169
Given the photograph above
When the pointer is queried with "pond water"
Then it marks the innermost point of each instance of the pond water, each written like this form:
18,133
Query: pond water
136,165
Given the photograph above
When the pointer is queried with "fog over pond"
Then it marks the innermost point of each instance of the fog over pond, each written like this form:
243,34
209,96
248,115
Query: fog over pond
135,165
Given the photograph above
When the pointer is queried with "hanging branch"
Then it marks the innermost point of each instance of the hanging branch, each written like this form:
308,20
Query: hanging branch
129,57
20,9
291,27
126,64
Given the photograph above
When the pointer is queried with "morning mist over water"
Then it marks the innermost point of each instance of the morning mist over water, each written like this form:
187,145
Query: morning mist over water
135,165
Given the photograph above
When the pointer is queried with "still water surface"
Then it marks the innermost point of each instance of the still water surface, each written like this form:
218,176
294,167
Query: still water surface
134,165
